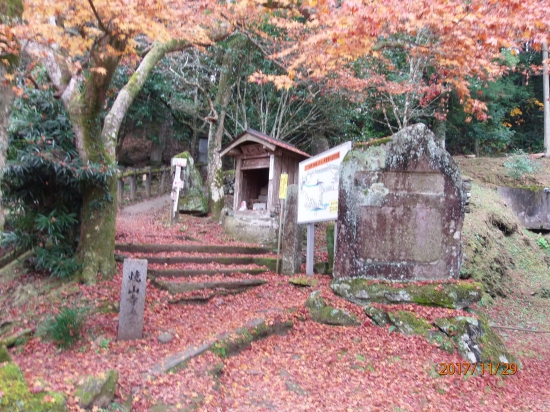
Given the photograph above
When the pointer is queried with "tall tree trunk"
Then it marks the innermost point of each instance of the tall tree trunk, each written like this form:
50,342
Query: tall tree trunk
99,206
440,125
97,231
215,136
97,143
546,97
6,101
440,131
8,63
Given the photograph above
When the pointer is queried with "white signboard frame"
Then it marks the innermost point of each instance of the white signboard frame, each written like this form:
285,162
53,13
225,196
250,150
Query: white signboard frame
318,185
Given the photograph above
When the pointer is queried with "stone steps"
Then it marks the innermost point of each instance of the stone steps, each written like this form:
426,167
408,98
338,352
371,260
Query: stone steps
187,273
189,267
181,287
211,249
222,260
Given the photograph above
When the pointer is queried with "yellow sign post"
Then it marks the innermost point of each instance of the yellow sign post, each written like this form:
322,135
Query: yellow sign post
283,183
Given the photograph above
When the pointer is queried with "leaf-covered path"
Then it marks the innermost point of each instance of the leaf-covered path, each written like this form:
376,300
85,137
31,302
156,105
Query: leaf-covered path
313,367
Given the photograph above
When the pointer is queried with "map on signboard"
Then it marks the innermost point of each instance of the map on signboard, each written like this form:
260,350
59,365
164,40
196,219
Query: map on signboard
318,185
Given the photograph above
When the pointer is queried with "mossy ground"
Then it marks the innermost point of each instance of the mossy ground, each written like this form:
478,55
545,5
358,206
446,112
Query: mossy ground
497,247
15,395
303,281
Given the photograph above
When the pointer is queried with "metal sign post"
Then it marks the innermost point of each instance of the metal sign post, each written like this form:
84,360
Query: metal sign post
177,185
310,248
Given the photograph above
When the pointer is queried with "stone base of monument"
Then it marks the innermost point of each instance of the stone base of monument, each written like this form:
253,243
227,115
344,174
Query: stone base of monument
471,336
252,228
452,295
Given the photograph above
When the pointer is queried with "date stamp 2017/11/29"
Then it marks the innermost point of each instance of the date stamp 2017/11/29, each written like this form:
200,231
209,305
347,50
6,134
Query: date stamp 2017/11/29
464,368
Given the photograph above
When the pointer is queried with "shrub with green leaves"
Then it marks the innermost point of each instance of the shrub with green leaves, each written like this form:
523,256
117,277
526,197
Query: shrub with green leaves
520,164
65,328
543,243
43,181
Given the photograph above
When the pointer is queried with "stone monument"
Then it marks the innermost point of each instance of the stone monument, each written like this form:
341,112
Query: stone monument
400,210
132,299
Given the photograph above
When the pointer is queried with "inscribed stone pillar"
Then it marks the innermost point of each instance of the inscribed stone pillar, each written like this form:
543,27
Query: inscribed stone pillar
292,234
400,210
132,299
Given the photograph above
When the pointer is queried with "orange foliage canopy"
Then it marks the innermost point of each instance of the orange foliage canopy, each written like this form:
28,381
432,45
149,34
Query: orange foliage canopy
460,40
79,25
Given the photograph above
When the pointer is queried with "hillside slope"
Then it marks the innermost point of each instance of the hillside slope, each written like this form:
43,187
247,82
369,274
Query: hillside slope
506,258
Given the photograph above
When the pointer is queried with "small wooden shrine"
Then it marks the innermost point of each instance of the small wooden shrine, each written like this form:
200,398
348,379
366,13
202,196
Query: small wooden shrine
260,161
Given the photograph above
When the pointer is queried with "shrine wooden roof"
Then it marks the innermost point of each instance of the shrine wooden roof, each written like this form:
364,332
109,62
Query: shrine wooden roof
251,135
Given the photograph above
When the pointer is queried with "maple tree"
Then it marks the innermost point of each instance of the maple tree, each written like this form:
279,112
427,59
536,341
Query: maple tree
81,44
444,44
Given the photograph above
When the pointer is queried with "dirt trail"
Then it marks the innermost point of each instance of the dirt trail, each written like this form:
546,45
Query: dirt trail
146,206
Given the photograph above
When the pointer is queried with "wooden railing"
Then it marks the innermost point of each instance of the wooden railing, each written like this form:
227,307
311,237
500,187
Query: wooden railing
146,175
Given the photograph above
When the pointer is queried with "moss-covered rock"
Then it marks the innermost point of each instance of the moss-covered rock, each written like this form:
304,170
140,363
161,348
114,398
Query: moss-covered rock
454,295
441,340
476,340
270,263
408,323
15,395
378,316
303,281
98,391
234,343
4,355
322,313
192,198
473,337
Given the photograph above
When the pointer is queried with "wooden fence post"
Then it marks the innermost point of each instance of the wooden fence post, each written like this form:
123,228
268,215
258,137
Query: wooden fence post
133,186
162,180
149,177
120,190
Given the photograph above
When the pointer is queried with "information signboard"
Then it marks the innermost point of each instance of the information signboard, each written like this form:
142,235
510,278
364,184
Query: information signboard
318,180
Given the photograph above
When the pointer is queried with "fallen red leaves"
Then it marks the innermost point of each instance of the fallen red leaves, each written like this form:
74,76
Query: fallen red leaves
313,367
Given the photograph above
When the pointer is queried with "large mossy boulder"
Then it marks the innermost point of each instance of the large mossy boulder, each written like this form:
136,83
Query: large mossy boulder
453,295
16,396
472,336
320,312
97,391
192,198
476,340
